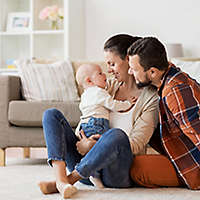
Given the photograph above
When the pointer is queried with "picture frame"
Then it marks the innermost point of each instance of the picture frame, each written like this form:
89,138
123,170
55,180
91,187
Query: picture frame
18,21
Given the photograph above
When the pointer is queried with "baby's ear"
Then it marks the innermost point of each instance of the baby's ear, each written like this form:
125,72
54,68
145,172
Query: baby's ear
88,81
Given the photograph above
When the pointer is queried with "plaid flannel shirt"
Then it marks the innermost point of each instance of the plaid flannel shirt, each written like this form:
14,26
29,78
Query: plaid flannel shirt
180,124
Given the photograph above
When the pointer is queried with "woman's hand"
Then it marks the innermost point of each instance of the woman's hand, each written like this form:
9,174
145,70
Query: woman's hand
132,100
85,144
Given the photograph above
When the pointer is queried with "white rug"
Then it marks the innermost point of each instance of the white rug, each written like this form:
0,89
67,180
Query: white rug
20,177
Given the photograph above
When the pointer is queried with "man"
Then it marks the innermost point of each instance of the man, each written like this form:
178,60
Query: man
178,139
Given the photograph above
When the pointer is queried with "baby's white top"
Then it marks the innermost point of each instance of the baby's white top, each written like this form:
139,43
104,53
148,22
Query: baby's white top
97,102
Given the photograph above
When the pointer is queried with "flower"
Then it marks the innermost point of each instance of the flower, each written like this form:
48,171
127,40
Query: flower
52,13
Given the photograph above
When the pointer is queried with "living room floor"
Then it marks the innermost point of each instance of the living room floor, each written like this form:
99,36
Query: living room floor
20,177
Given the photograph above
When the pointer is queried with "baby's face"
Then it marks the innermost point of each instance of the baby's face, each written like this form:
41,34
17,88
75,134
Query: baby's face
98,77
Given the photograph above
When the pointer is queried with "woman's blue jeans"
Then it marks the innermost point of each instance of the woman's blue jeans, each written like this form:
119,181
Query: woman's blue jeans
111,156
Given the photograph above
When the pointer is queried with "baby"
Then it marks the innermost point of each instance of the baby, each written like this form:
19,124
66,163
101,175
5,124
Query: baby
95,105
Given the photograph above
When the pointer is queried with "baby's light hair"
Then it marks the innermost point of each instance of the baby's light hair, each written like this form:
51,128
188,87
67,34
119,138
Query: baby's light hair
84,71
79,75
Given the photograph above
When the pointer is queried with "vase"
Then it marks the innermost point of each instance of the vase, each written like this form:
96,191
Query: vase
54,25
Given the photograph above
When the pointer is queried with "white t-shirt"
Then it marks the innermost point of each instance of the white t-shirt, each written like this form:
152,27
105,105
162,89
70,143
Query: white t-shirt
123,121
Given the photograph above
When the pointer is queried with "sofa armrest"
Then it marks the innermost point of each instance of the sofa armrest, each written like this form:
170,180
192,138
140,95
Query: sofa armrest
10,88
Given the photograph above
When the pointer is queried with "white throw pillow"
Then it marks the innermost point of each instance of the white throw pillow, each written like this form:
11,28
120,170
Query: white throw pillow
47,82
190,67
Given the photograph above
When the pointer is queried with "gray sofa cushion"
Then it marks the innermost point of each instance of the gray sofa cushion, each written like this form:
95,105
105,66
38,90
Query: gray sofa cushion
29,114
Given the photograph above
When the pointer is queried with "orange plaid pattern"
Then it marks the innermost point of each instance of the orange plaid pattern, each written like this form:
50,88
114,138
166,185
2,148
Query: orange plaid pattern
180,124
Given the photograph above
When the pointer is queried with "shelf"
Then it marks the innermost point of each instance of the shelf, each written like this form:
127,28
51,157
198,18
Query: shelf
43,32
15,33
54,43
39,40
14,47
6,71
48,32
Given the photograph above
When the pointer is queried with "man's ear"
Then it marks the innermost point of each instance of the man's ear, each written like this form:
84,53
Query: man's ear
153,72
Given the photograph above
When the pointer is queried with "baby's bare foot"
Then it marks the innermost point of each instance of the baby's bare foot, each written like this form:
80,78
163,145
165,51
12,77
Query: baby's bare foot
48,187
66,190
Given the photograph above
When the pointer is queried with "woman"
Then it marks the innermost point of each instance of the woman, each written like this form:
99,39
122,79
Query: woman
112,154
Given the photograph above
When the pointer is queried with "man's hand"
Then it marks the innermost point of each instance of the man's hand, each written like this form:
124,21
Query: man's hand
85,144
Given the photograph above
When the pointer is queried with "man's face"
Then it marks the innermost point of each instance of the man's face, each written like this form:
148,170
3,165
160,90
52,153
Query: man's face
141,77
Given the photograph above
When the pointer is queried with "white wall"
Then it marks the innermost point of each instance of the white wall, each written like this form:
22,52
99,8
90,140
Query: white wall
172,21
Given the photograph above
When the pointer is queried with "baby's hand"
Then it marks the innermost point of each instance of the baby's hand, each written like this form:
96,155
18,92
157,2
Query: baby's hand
132,100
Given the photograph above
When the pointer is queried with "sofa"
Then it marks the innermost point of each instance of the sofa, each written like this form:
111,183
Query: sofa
21,120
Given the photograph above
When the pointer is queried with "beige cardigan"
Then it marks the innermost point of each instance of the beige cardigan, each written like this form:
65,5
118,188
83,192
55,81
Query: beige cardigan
145,117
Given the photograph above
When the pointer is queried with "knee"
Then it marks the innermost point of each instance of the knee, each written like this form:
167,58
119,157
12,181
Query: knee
50,114
140,172
117,136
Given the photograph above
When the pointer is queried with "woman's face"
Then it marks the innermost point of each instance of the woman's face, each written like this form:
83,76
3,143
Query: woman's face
116,66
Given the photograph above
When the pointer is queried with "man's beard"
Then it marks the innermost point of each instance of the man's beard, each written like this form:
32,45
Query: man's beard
144,84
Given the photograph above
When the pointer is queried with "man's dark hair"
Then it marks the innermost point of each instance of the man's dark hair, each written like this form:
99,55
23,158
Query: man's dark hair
119,44
151,53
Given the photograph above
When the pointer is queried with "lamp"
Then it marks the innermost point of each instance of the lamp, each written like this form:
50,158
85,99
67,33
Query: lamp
174,50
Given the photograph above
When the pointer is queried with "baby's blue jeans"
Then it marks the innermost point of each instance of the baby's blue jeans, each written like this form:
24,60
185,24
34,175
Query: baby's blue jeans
111,156
95,126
